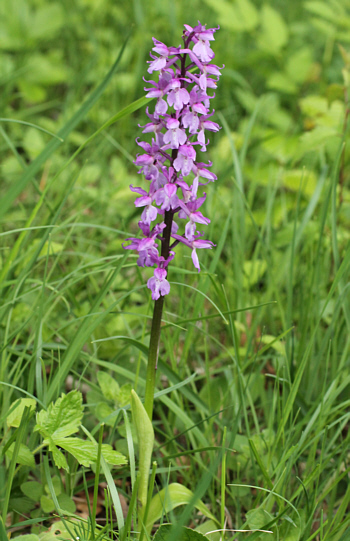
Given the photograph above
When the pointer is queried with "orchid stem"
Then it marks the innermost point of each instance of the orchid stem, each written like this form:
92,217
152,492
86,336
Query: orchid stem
153,356
156,325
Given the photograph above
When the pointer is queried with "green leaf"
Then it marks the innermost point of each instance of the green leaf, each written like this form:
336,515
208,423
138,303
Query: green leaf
108,385
239,16
274,31
145,437
322,9
32,489
66,503
315,139
14,418
209,526
85,451
58,456
59,532
56,483
61,418
168,499
257,519
25,456
102,411
47,504
280,81
253,272
124,395
28,537
299,65
46,21
186,534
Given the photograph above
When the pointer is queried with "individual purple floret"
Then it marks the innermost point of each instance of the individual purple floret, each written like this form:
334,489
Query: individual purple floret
178,124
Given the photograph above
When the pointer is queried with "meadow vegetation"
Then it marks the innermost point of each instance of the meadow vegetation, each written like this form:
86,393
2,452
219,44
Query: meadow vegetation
252,409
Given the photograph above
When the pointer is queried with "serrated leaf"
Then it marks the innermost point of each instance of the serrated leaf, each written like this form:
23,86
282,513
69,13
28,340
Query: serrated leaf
85,451
32,489
168,499
113,457
25,456
109,387
14,418
58,456
185,534
62,418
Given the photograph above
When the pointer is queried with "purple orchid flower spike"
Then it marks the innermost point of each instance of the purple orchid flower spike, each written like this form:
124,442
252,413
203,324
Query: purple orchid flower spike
179,123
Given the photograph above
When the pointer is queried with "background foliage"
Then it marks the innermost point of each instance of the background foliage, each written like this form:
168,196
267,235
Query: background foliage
263,332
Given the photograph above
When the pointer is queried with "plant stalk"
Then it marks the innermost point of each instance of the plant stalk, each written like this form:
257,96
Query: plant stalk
156,325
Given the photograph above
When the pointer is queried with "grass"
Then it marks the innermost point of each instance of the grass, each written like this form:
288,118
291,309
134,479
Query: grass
252,404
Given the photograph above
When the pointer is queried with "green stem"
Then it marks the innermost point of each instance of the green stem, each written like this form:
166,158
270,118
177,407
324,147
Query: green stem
153,356
156,325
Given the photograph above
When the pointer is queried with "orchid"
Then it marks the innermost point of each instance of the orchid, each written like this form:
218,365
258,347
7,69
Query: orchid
178,124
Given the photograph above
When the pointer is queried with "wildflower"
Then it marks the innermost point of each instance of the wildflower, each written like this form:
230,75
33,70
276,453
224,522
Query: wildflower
179,123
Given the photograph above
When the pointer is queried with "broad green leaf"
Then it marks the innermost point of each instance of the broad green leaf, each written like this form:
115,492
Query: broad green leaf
257,519
300,179
32,489
59,532
290,529
25,456
56,483
323,9
47,504
281,81
145,437
124,395
315,139
277,345
85,451
61,418
102,411
66,503
28,537
299,65
14,418
239,15
109,386
209,526
168,499
186,534
274,31
253,272
46,21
